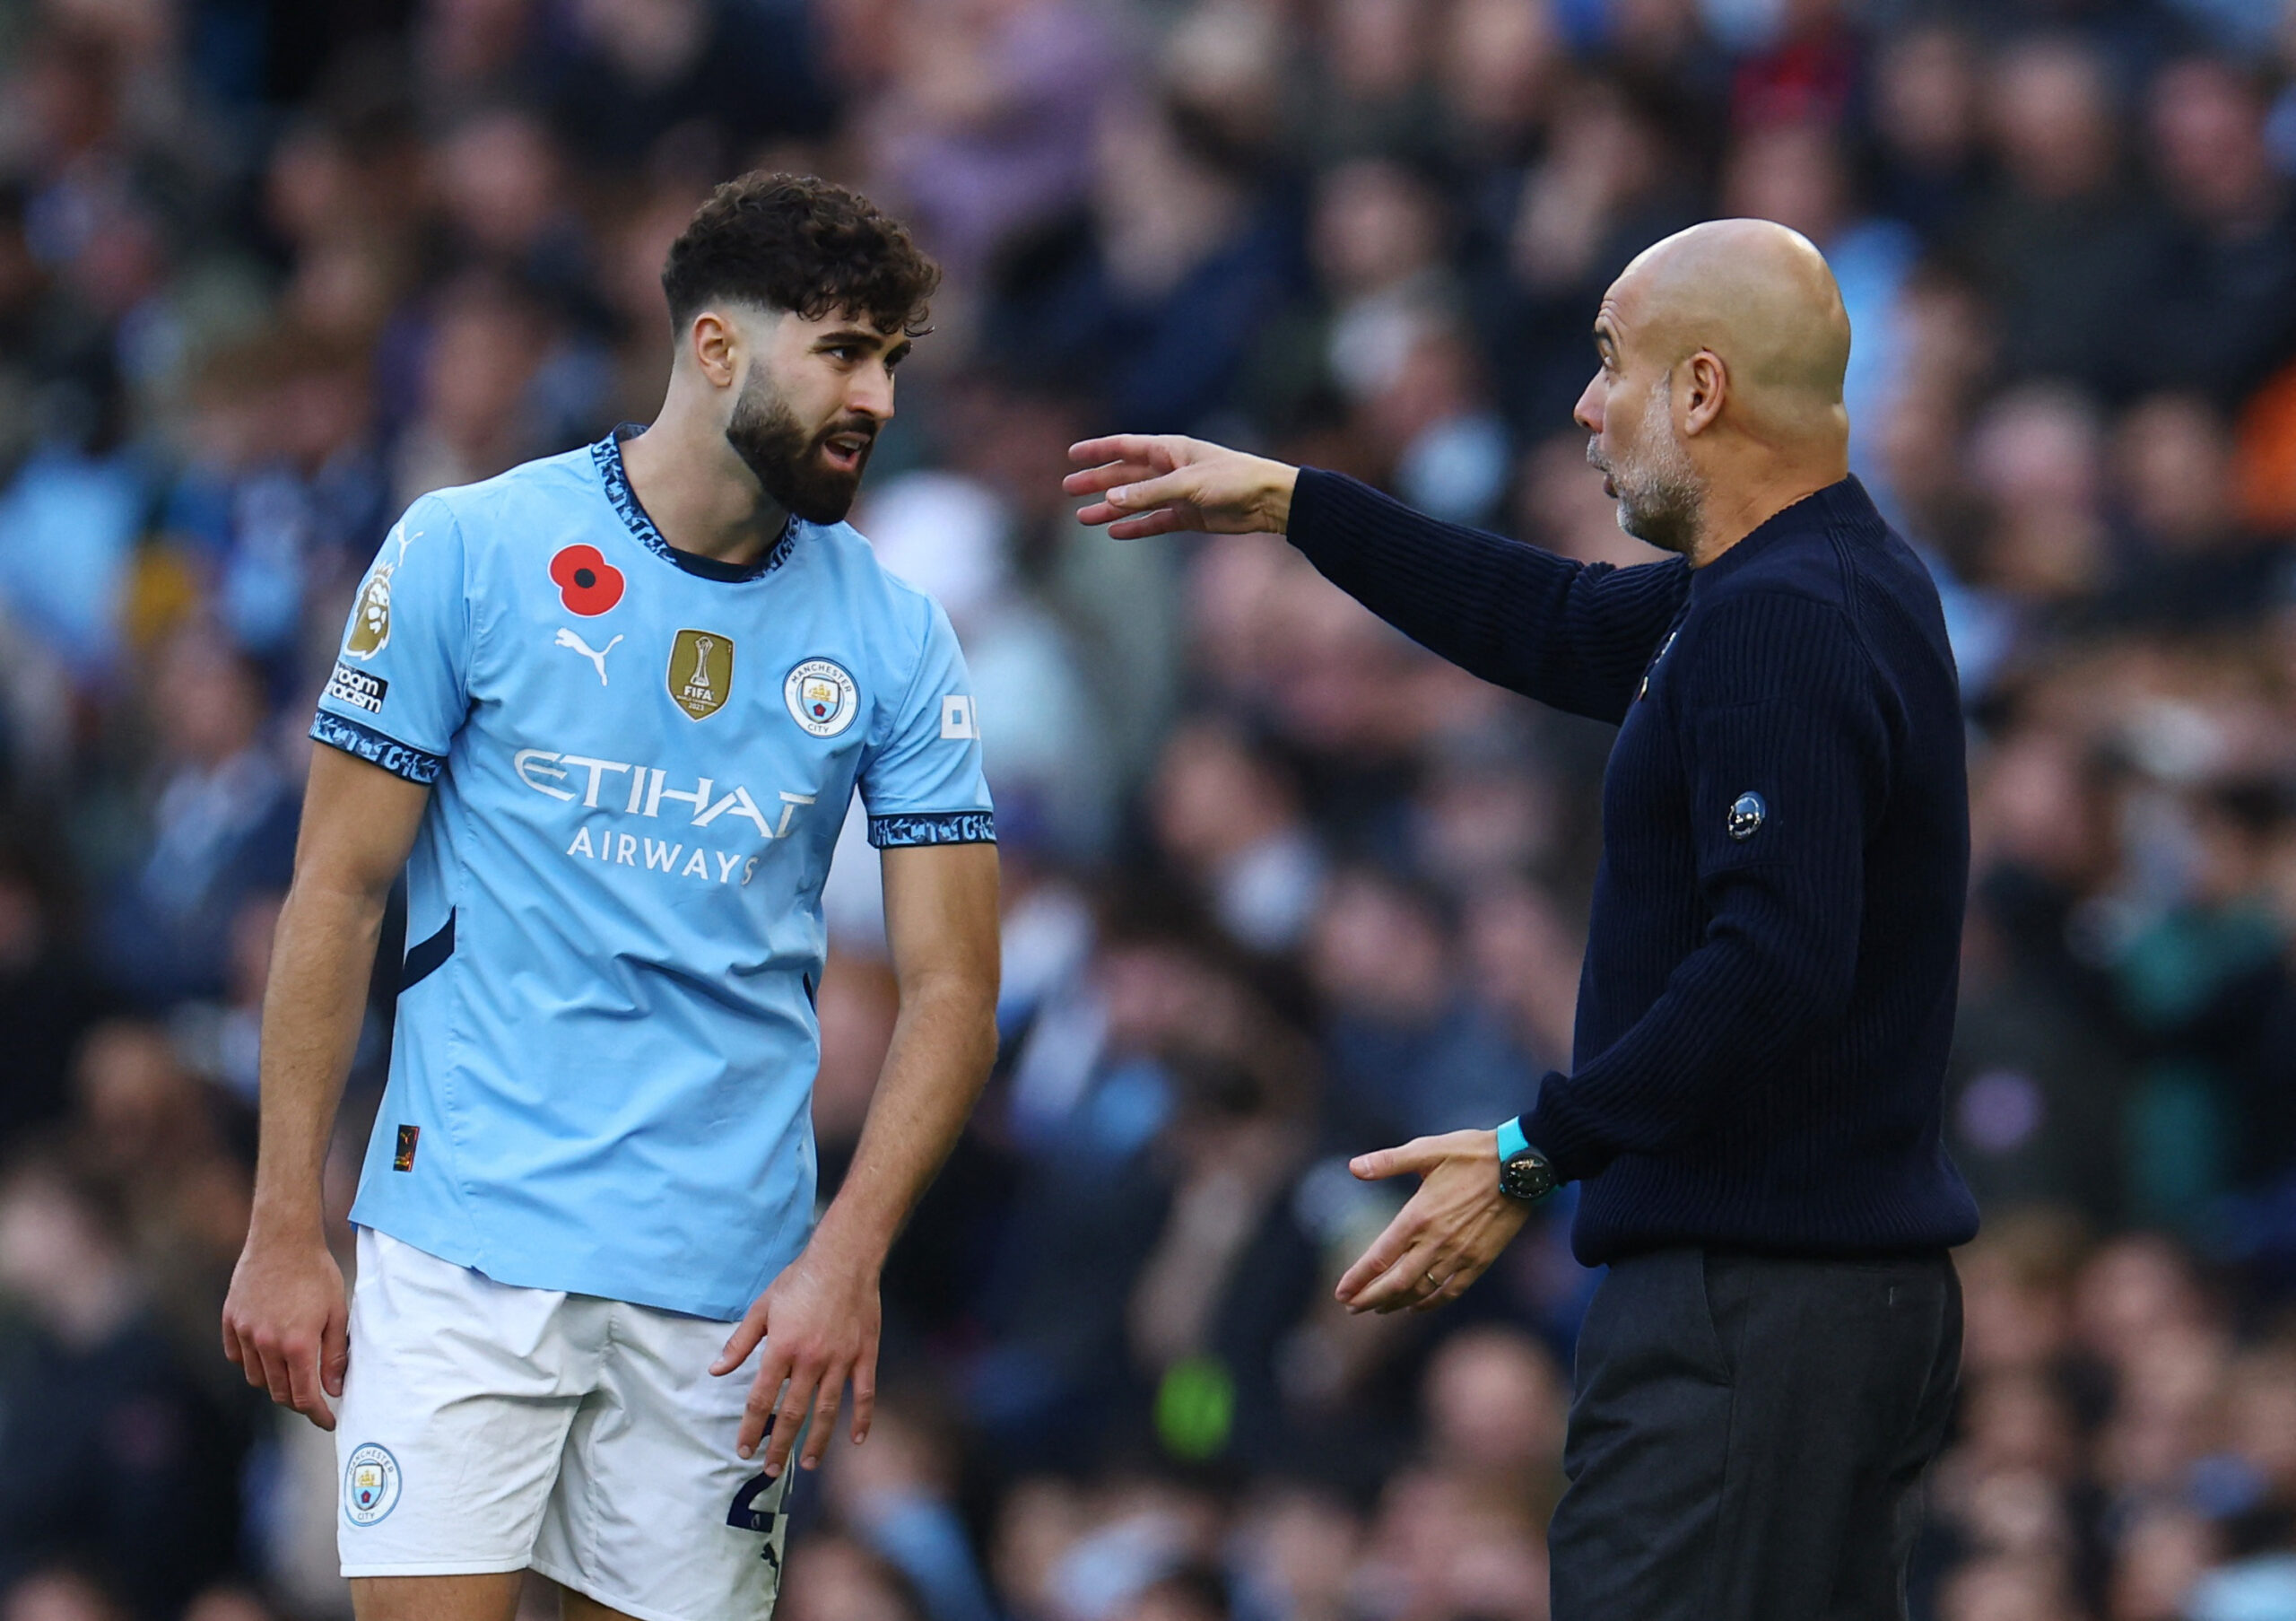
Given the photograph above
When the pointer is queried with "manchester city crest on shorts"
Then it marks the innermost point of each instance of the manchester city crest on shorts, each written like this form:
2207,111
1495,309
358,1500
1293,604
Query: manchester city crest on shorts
370,1484
821,697
700,675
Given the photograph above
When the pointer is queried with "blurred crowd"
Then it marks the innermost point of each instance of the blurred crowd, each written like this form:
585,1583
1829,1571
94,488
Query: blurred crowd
1281,887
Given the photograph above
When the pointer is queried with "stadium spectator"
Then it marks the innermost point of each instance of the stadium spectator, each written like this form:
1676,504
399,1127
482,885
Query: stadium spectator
222,816
2063,246
106,1424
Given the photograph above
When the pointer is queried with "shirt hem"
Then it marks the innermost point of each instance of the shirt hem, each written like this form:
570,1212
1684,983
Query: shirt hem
1604,1245
516,1276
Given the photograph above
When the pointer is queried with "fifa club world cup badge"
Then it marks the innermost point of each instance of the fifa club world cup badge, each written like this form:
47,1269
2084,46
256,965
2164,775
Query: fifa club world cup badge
371,1483
821,697
700,675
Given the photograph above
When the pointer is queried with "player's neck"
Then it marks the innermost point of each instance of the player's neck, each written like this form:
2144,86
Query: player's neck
700,495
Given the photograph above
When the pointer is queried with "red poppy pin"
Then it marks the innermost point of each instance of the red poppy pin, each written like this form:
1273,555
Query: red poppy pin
586,583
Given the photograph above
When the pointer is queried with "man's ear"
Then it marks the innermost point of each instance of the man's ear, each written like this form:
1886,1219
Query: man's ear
715,347
1705,384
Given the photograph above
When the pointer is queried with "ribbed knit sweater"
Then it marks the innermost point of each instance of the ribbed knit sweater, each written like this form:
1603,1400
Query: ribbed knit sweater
1768,992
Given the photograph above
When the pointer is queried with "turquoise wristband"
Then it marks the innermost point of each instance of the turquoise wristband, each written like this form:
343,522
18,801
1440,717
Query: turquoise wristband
1511,1140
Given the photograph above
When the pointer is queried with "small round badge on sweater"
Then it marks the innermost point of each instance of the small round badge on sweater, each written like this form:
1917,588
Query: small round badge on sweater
1746,814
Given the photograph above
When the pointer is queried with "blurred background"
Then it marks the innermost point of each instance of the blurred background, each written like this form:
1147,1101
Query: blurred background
1281,887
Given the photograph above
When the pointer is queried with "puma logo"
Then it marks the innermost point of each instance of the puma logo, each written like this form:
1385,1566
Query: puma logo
596,655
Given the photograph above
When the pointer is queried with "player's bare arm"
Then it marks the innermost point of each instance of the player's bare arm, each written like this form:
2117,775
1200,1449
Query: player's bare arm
285,1318
819,1319
1166,483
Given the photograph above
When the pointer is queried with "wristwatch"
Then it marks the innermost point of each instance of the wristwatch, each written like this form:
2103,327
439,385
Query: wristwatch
1524,1172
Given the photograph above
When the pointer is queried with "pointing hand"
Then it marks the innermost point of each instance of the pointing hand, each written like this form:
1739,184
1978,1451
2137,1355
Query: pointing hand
1164,483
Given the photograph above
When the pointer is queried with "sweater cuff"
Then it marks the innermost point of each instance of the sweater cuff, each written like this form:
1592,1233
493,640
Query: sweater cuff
1559,1132
1327,510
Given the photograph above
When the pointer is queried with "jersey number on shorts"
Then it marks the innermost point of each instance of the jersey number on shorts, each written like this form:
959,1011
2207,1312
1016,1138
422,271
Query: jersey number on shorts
746,1516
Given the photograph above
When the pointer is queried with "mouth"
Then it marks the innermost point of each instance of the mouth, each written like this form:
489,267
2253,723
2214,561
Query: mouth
845,450
1595,460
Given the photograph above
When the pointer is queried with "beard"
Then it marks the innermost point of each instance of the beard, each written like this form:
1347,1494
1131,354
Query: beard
766,434
1660,499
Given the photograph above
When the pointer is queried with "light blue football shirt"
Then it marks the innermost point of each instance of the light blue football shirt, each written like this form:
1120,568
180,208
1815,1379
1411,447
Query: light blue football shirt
639,763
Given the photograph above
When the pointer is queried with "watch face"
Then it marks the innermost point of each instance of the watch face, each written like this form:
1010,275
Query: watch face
1527,1176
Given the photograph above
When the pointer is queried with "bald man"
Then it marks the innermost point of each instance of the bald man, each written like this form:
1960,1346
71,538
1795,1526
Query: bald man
1753,1108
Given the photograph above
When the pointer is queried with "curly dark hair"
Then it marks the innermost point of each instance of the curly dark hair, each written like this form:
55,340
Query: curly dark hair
802,244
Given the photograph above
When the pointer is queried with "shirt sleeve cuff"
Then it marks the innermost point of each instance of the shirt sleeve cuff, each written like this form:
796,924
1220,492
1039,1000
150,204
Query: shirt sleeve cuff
1312,495
1548,1126
933,827
399,759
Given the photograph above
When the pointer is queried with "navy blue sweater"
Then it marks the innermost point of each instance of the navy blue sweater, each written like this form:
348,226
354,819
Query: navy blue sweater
1767,993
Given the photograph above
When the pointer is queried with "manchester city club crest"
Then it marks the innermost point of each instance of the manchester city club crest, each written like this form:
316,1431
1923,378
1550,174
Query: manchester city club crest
821,697
371,1484
700,675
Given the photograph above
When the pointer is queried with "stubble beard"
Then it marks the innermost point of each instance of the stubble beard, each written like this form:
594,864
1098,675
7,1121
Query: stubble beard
786,459
1660,497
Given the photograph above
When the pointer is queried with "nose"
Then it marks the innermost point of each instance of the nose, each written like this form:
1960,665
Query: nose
1588,412
871,393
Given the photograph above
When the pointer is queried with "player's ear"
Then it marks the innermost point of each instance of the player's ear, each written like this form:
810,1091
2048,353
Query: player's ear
712,342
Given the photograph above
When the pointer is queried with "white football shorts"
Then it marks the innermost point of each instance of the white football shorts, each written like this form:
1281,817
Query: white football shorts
485,1427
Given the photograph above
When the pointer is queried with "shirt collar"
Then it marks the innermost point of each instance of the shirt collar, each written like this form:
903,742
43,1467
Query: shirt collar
1839,508
607,455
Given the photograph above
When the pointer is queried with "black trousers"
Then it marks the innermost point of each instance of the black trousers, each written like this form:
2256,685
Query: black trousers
1748,1436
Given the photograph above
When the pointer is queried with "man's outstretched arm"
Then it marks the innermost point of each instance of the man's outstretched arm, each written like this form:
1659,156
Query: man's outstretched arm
1574,635
285,1318
819,1317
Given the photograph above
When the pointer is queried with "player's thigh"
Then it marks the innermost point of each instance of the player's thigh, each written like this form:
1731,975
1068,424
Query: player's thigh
484,1598
654,1513
454,1417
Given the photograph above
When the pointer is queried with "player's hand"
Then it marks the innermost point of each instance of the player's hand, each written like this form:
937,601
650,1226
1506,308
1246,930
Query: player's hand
1163,483
287,1324
1446,1236
819,1320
